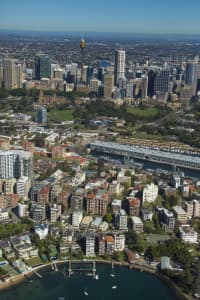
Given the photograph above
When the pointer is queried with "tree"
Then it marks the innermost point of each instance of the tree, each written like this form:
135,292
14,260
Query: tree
159,201
108,218
149,227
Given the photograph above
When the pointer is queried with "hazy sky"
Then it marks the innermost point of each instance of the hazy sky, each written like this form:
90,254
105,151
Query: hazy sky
135,16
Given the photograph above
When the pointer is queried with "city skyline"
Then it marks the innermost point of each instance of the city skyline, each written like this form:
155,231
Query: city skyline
113,16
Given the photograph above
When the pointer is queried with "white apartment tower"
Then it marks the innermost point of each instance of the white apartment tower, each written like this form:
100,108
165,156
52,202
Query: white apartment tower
120,57
15,164
150,193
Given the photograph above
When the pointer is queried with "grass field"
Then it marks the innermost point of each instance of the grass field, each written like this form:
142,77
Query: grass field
140,112
60,115
34,261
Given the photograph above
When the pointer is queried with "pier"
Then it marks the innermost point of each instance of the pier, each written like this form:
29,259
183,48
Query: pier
86,266
37,274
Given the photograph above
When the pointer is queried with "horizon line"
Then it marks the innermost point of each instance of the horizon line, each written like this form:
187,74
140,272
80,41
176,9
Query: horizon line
98,32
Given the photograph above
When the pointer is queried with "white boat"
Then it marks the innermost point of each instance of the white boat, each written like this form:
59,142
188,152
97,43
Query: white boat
85,293
114,287
97,277
112,275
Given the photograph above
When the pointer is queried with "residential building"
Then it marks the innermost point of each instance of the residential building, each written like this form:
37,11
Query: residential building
121,220
77,217
101,245
196,208
119,242
116,206
90,245
55,213
188,234
4,215
147,214
137,224
134,206
150,193
38,212
9,186
180,214
97,202
166,219
23,186
16,163
189,208
76,201
110,244
22,210
9,201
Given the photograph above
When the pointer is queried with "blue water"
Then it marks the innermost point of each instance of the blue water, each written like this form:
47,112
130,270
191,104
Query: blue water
54,285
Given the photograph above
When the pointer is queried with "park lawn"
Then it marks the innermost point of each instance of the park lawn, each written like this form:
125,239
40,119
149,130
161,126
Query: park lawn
60,115
143,112
34,261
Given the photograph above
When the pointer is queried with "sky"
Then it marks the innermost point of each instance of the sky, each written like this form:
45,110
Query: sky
131,16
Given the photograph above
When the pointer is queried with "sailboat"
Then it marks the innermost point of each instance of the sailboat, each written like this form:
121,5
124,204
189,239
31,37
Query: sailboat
112,273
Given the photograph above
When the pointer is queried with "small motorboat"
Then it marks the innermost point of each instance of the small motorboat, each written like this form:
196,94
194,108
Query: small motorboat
85,293
114,287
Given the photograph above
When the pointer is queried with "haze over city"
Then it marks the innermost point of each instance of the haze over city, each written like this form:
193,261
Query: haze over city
144,16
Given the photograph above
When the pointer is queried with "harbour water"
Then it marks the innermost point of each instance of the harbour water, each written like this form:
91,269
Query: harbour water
124,285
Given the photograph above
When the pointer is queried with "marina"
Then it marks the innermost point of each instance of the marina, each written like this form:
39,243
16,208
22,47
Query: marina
127,283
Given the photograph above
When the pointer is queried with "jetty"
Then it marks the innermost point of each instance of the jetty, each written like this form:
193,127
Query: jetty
82,266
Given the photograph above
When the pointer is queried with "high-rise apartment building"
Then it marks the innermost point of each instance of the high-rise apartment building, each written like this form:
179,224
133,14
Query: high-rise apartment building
15,164
42,66
120,57
90,245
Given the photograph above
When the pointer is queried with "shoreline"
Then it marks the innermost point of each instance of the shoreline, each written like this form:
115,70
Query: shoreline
15,280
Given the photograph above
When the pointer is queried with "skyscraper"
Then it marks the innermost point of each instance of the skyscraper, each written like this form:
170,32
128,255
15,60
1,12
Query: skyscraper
191,74
144,86
120,57
18,72
42,115
161,83
42,66
108,85
9,73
